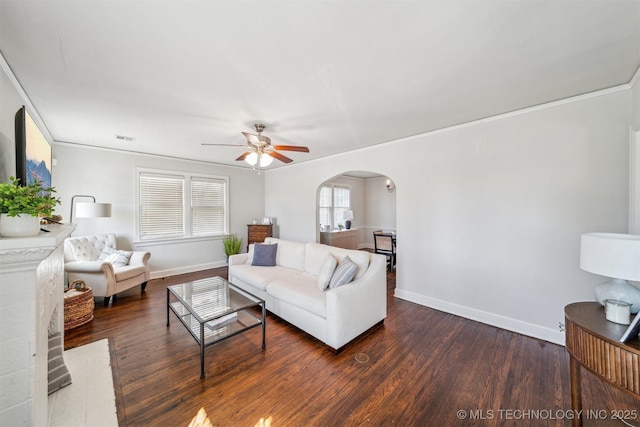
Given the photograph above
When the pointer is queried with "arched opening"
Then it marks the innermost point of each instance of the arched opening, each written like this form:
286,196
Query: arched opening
371,199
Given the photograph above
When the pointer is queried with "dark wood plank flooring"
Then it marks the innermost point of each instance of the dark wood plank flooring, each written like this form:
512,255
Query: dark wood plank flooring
418,369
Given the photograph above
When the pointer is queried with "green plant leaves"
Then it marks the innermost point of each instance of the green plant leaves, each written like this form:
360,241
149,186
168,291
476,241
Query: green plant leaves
32,199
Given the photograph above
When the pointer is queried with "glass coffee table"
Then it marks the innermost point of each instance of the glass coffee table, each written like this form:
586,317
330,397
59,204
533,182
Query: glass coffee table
213,309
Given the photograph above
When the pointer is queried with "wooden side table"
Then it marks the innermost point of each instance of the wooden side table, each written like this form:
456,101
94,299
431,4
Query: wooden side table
593,343
256,233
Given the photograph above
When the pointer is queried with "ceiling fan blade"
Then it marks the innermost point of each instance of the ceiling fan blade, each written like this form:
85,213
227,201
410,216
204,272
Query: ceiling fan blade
245,154
291,148
280,157
225,145
257,139
251,137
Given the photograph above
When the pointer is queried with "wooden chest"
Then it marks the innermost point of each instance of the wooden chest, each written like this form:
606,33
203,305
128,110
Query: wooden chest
258,232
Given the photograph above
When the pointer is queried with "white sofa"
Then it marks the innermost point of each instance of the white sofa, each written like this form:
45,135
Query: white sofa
81,257
290,289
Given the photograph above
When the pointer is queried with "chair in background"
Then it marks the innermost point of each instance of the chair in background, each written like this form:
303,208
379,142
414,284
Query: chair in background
385,245
96,261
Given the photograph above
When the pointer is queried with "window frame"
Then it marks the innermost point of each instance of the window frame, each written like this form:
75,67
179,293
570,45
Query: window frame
187,234
332,208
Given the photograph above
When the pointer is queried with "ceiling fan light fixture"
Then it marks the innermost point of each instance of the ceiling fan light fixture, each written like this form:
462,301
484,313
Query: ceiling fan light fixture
252,158
265,160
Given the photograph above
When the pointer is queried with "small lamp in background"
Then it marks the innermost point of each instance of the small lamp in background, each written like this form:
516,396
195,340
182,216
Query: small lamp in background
347,216
616,256
89,209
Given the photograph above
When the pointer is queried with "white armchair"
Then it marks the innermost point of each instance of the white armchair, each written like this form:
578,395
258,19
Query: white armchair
81,256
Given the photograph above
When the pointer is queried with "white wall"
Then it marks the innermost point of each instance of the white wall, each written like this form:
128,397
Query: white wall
110,177
380,208
489,214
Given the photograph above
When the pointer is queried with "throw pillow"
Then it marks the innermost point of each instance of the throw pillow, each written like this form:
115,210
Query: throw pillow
326,271
121,258
344,273
105,254
264,255
115,257
58,375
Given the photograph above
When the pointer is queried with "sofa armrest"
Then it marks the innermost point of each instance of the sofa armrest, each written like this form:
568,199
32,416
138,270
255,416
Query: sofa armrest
238,259
355,307
139,258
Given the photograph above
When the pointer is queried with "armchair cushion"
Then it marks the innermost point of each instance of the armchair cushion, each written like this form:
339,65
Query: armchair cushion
115,257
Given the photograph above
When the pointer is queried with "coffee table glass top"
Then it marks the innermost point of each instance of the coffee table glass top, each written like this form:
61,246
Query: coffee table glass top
213,309
212,298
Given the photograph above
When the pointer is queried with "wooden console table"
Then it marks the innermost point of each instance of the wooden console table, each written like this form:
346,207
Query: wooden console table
593,342
347,239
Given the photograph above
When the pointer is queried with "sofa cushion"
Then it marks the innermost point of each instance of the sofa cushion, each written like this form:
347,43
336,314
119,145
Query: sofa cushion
315,253
290,254
264,255
301,291
345,271
260,277
326,271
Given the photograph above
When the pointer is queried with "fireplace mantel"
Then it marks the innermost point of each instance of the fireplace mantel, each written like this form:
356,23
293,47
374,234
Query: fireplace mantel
31,303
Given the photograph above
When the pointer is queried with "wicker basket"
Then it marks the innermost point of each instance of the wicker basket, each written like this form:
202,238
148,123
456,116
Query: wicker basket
78,305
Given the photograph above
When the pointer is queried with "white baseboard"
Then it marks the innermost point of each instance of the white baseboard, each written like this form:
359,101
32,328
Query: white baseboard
492,319
188,269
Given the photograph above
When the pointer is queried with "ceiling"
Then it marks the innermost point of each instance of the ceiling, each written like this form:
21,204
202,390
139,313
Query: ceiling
334,76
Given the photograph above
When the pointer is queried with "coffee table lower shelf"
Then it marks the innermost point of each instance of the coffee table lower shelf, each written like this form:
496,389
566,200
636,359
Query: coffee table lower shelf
207,332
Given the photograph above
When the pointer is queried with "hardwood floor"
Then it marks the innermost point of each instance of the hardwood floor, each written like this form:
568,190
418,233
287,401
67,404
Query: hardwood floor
419,369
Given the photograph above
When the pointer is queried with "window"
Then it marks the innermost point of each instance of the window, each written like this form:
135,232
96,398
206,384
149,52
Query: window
333,201
179,205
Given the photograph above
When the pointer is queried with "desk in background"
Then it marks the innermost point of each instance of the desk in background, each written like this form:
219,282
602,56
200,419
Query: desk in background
347,239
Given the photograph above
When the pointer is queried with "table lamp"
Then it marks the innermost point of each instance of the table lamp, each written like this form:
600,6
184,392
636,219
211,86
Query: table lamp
347,216
616,256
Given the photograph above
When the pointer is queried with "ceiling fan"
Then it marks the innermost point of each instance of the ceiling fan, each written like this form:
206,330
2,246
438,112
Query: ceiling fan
260,151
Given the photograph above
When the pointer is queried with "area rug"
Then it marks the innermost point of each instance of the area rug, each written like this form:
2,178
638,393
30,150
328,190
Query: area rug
90,399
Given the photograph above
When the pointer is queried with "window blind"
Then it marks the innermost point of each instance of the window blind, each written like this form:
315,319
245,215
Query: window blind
207,206
161,205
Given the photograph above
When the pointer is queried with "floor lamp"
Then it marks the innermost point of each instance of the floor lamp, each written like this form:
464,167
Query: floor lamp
89,209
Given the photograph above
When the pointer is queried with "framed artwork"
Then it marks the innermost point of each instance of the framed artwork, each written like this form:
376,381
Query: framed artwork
266,220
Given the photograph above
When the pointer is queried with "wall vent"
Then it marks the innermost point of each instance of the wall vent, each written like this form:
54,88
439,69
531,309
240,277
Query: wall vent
125,138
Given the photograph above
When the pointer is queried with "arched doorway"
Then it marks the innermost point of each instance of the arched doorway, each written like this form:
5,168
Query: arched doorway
371,199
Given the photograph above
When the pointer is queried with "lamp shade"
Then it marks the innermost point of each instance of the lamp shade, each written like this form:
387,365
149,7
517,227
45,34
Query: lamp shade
347,215
93,210
610,254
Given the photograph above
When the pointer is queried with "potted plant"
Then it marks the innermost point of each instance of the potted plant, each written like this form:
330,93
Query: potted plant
232,244
22,205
